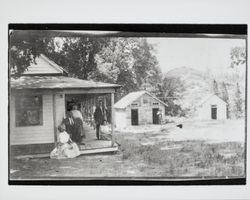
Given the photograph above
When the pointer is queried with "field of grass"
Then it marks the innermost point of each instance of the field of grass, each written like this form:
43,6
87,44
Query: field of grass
147,154
189,158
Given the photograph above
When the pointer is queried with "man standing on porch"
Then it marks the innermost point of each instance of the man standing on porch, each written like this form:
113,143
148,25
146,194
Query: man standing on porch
98,115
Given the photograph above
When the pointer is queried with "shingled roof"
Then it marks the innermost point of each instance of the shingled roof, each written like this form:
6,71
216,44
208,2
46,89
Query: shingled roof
56,82
46,74
44,66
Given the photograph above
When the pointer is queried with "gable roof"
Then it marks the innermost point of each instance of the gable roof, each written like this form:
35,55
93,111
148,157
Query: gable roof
209,96
56,82
44,66
131,97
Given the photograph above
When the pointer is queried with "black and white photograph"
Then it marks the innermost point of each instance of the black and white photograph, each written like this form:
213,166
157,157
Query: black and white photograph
124,99
126,105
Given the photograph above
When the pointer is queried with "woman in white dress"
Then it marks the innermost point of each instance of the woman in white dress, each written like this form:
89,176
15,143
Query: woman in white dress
65,147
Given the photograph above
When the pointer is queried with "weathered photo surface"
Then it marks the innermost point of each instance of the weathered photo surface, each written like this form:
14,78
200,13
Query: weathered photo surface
104,105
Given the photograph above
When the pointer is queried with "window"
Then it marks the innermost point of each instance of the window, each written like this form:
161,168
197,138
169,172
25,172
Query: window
29,111
134,104
155,103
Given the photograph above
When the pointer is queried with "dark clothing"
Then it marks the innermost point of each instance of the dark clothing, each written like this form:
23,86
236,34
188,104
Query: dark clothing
98,115
69,124
78,130
78,126
97,131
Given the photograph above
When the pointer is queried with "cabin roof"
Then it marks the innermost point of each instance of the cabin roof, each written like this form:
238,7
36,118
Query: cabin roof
44,66
131,97
209,96
56,82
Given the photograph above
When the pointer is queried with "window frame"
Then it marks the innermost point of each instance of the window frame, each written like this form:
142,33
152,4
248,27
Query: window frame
38,108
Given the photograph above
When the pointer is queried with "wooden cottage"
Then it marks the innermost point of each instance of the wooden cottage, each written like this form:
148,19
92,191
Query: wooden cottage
39,100
139,108
211,107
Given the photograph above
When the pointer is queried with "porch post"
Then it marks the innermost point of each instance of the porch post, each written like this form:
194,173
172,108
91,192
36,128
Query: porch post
112,118
54,118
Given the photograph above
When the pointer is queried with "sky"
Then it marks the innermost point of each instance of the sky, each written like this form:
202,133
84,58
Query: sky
197,53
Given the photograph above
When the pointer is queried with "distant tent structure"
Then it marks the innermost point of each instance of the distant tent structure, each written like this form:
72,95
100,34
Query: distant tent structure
211,107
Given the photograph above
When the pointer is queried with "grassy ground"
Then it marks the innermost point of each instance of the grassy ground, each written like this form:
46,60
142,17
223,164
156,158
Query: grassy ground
147,154
187,158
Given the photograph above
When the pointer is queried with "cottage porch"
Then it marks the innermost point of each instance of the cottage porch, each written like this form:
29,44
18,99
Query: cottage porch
61,99
89,145
40,99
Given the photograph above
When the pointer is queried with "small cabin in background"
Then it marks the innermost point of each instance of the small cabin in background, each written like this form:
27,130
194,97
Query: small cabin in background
138,108
211,107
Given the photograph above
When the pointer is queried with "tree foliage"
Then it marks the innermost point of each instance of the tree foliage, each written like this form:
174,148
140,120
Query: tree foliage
215,88
238,56
80,55
238,102
225,97
129,62
171,92
23,49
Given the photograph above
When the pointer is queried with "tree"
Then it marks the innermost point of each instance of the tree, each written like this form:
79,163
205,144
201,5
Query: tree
215,88
146,66
171,91
225,97
238,56
23,49
238,102
129,62
77,55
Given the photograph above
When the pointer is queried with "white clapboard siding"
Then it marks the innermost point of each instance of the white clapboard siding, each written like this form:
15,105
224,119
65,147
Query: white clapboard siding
145,111
120,118
33,134
60,108
203,111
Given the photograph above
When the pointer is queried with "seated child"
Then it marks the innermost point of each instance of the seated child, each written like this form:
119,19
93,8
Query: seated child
65,147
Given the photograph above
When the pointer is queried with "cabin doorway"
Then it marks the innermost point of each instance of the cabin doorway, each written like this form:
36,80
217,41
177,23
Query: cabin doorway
134,117
155,116
214,112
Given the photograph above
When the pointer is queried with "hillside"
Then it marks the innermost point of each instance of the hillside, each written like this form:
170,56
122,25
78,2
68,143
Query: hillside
196,84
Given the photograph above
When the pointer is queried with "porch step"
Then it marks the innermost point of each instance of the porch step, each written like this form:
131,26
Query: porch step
101,150
82,152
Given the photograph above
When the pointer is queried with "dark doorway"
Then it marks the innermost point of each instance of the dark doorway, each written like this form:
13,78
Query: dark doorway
134,116
214,112
155,116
